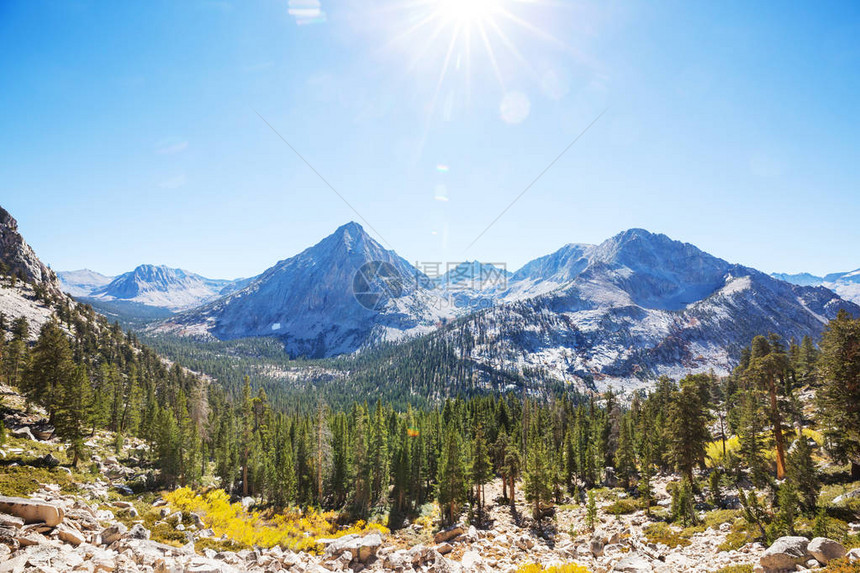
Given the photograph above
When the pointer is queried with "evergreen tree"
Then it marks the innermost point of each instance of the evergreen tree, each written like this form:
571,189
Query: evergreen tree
73,410
839,396
802,475
538,476
688,428
452,483
625,457
481,471
51,366
767,371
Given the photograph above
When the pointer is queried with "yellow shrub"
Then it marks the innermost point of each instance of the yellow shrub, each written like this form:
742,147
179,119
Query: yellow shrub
295,530
565,568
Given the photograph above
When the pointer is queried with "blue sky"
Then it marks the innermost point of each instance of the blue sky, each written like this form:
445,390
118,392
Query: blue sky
129,130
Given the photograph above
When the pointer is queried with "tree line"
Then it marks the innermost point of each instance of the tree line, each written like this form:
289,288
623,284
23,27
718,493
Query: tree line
383,456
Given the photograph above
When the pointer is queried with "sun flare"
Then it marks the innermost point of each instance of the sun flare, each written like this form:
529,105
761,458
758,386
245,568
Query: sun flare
467,12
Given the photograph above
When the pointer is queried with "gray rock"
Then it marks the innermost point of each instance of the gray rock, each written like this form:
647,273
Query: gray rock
113,533
32,511
138,532
633,564
448,534
596,546
22,433
825,550
786,553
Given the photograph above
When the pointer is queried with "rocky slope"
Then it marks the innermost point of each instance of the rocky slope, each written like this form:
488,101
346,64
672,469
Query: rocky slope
332,298
19,258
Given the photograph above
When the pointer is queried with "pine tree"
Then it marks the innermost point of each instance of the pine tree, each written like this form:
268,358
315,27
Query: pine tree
247,435
591,511
512,470
73,410
802,475
688,428
839,396
646,473
51,366
452,483
767,370
538,476
481,471
625,457
751,450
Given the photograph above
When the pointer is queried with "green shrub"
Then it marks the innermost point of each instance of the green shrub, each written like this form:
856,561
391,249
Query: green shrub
624,506
662,532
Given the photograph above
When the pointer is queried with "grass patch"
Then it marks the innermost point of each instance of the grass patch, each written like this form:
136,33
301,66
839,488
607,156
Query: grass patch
842,566
623,506
662,532
21,481
218,545
739,536
735,569
713,519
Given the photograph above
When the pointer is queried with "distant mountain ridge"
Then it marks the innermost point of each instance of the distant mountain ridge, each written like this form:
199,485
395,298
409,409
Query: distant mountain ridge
846,284
151,285
82,282
636,306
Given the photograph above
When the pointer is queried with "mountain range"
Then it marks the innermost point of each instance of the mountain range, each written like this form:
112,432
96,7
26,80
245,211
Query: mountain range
633,307
150,285
846,285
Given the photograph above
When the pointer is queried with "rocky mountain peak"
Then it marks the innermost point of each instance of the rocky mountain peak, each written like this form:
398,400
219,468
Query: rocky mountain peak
19,257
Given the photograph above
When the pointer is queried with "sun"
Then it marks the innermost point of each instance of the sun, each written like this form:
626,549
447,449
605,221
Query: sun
468,12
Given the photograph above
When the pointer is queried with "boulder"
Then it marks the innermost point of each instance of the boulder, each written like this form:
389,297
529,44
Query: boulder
22,433
596,546
448,534
444,548
633,564
113,533
360,548
32,511
853,555
786,553
138,531
825,550
70,534
11,521
49,460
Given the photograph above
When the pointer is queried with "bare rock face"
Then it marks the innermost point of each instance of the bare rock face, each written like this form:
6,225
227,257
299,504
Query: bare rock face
18,256
786,553
32,511
633,564
825,550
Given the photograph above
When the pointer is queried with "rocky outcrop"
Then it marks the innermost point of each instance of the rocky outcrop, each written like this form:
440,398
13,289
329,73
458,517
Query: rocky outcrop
19,258
826,550
786,553
32,511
